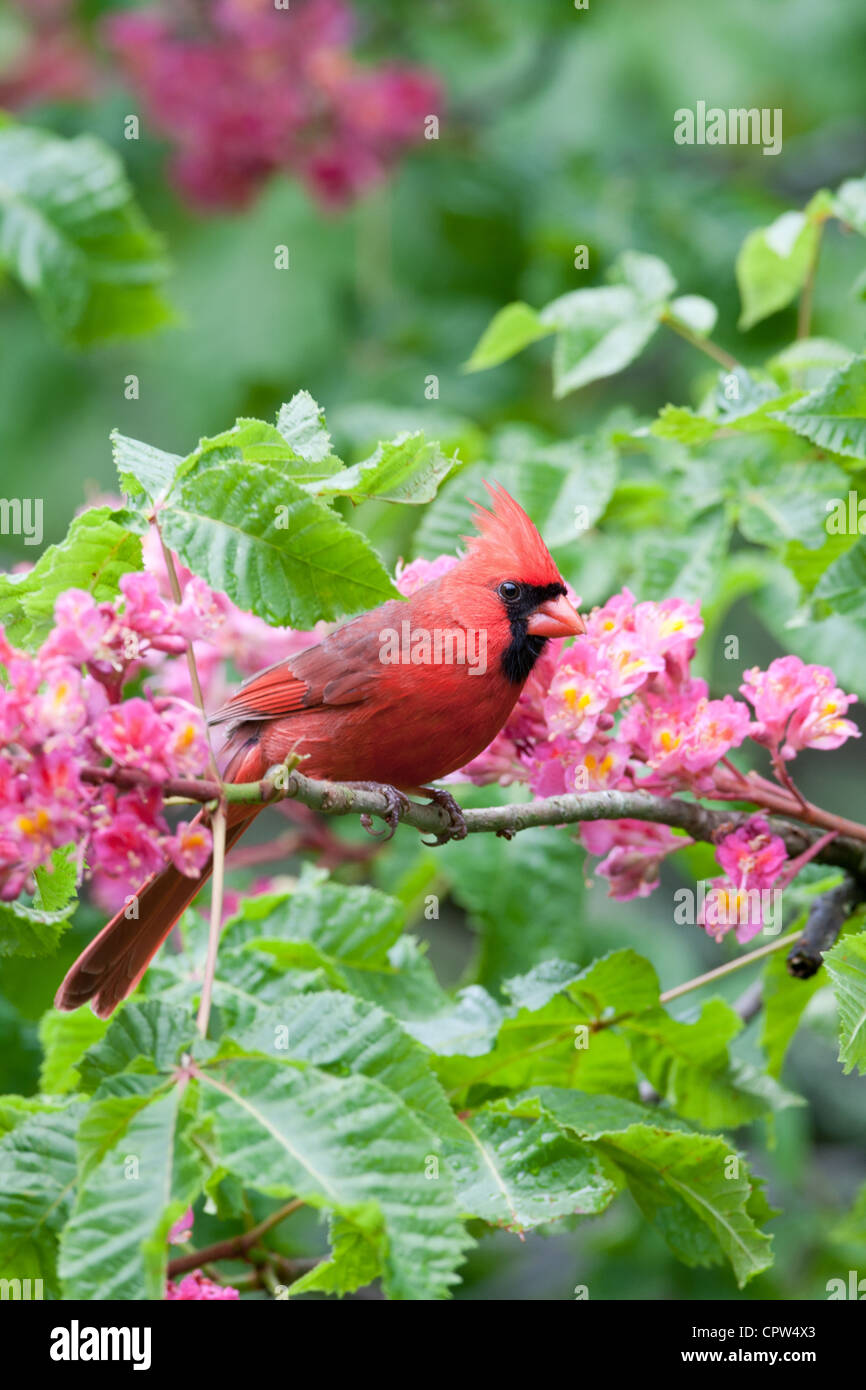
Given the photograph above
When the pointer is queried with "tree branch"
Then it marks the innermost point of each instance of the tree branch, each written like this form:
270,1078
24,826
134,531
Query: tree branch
235,1247
343,799
827,916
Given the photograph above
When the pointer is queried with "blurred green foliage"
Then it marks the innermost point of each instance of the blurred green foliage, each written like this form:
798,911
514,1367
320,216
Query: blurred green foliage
557,133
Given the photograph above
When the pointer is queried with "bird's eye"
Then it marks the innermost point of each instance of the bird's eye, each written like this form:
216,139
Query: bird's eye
508,590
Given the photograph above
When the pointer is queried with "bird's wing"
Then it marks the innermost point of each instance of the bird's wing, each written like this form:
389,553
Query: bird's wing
343,669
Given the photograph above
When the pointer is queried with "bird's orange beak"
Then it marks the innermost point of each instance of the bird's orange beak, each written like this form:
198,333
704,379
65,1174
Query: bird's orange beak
556,617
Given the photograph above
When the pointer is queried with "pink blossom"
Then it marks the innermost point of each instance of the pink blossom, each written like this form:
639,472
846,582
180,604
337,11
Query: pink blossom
798,706
563,765
682,734
182,1228
190,848
726,905
134,736
196,1287
413,576
752,856
633,852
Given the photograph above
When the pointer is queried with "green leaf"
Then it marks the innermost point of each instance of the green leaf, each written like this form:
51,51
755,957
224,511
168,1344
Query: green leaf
697,314
340,1144
302,425
522,1173
680,423
785,999
342,1034
149,1036
407,469
564,487
357,1254
843,583
96,552
846,966
849,204
257,536
141,467
684,565
599,332
142,1177
65,1037
690,1185
72,234
29,931
509,332
55,886
351,934
834,416
787,507
689,1066
37,1179
772,265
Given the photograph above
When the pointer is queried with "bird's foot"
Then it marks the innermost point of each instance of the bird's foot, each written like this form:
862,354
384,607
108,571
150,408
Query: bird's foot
458,829
398,805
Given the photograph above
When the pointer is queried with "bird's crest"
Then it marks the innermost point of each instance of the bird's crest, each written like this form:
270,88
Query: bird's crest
508,544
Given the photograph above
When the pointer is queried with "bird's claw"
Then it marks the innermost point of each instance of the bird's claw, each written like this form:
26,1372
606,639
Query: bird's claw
458,829
398,805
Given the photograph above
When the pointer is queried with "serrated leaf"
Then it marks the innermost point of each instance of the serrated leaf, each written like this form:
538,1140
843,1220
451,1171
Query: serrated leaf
406,469
94,555
341,1034
340,1144
522,1173
510,331
301,422
833,417
114,1245
357,1254
141,467
846,966
56,886
37,1179
257,536
843,583
29,931
685,1183
679,423
65,1037
72,234
150,1034
564,487
788,506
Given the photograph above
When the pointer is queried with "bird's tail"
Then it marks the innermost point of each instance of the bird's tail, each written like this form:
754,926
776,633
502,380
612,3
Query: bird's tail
112,965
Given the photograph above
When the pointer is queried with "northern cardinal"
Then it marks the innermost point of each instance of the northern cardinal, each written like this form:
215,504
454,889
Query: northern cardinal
358,715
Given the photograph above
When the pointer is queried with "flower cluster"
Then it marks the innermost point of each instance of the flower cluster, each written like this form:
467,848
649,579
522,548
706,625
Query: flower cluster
62,720
249,89
755,861
620,710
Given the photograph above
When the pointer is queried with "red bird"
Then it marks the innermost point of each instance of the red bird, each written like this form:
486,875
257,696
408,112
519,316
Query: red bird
360,710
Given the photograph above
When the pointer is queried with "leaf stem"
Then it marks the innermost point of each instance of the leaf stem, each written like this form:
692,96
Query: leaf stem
728,968
804,309
705,345
218,825
235,1247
